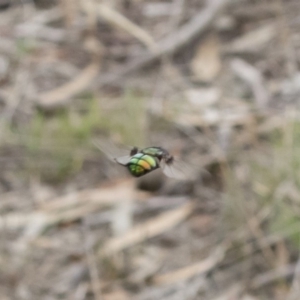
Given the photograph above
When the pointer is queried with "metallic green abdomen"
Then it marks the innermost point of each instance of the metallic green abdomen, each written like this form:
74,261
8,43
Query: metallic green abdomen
141,164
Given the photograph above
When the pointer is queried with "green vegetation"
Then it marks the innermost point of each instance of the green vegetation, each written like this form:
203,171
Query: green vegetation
126,119
56,145
25,46
267,181
60,138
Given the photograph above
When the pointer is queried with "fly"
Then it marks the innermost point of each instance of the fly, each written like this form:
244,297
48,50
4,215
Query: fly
140,162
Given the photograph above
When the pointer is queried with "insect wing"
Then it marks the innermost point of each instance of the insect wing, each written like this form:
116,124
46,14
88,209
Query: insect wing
177,170
123,160
112,152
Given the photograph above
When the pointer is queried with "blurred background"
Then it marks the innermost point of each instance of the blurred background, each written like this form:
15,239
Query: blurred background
216,82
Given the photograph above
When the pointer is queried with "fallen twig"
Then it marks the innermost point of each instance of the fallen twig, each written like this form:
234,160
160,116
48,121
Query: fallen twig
255,80
149,229
91,262
295,287
201,267
172,43
270,276
233,292
61,95
117,19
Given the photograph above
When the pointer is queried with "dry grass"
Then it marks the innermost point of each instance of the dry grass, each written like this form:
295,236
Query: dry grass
217,83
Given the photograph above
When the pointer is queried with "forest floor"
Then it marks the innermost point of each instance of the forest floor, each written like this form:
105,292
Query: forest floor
217,83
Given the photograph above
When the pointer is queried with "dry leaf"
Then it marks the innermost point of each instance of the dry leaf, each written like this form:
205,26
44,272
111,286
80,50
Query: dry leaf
249,297
203,97
207,64
117,295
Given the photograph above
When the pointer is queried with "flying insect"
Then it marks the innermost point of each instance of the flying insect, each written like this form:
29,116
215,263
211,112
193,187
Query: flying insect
140,162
